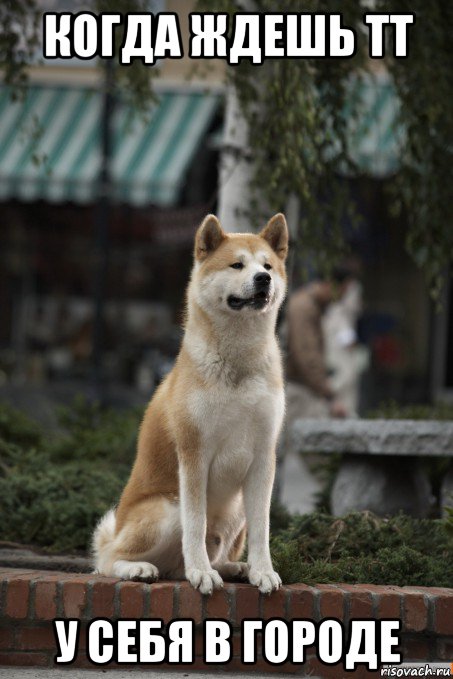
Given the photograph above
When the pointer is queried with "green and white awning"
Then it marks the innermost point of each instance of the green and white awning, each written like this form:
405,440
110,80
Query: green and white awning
50,142
50,145
375,136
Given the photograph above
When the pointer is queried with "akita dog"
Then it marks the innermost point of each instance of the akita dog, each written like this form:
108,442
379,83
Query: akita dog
205,462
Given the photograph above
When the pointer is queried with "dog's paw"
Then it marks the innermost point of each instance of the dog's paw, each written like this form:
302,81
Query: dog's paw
204,580
234,569
266,581
135,570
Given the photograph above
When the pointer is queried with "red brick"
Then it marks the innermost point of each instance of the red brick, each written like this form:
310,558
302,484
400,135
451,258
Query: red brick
415,649
444,615
331,602
445,649
6,572
389,605
46,600
17,596
189,602
86,578
74,599
53,576
132,600
415,612
6,637
261,668
235,644
36,639
24,659
301,602
273,605
247,603
199,641
434,591
83,637
161,603
104,598
360,601
218,604
384,591
314,667
39,641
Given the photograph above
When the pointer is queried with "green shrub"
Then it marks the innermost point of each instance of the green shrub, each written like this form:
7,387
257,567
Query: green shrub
392,410
361,547
93,433
54,506
53,490
16,427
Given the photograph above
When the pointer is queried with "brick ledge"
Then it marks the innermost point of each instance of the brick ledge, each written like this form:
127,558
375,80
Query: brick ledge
30,599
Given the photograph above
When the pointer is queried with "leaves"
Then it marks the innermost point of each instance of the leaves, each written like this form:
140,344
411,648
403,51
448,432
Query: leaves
19,39
20,46
295,109
54,488
360,547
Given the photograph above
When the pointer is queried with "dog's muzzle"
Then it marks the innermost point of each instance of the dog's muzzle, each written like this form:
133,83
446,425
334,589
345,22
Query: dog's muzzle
260,298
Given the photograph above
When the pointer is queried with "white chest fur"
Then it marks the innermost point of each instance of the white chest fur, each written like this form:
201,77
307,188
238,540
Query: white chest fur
239,409
235,424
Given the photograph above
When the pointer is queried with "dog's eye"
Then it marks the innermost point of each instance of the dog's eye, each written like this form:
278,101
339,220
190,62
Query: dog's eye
237,265
268,267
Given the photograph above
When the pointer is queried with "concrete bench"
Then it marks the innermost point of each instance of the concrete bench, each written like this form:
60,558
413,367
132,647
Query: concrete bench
380,470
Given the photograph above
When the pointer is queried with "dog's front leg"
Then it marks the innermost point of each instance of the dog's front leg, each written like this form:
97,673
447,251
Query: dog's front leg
257,501
193,487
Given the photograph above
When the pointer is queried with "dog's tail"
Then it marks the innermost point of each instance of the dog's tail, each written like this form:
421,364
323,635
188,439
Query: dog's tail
102,542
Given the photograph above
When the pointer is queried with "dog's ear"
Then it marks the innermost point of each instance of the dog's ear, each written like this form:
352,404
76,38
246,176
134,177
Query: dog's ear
276,234
208,238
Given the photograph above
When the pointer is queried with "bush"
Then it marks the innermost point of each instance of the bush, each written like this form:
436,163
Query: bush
53,489
391,410
94,434
361,547
18,428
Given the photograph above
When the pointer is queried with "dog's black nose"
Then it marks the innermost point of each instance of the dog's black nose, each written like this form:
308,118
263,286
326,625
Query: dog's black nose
262,279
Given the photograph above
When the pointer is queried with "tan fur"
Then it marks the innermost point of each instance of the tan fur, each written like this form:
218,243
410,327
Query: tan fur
238,546
206,449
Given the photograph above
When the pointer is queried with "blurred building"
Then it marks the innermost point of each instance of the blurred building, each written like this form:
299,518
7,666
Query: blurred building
164,178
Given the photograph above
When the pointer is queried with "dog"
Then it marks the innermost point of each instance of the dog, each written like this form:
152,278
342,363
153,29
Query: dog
205,463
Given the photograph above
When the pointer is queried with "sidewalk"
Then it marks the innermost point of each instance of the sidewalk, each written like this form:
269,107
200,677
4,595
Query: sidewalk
74,673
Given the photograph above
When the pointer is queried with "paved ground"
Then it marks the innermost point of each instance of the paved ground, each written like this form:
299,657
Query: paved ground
32,673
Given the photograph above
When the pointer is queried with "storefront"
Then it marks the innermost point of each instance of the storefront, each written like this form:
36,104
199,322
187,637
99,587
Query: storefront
163,178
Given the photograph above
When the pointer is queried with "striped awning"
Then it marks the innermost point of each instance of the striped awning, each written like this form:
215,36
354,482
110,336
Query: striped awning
375,136
50,145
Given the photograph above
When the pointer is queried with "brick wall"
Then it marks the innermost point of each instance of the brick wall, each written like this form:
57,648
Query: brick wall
29,600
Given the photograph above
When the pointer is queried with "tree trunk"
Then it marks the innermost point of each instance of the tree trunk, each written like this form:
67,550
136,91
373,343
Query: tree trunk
236,169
